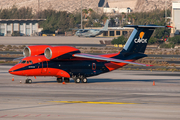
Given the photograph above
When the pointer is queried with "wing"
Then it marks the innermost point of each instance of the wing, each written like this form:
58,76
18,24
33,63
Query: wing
18,59
97,57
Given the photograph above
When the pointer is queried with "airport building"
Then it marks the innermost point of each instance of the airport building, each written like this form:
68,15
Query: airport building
117,31
114,31
175,17
28,27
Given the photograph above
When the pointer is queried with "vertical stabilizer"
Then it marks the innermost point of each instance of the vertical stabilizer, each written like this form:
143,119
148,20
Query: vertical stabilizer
139,38
105,28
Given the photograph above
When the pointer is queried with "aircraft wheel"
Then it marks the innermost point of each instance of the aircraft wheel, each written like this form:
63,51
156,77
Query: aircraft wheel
77,80
66,80
28,81
59,80
84,80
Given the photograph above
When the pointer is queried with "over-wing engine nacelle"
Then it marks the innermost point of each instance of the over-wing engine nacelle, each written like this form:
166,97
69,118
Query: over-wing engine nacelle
60,52
34,50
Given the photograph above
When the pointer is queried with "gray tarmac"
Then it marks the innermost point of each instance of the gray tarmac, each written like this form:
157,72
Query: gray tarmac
50,40
125,95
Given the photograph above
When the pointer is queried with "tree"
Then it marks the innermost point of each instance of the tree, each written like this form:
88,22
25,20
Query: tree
152,40
175,39
120,40
129,18
123,15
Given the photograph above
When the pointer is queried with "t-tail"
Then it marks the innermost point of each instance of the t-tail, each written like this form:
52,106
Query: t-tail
105,28
138,40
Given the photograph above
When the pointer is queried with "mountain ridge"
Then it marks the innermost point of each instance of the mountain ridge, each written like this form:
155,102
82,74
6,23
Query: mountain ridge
74,5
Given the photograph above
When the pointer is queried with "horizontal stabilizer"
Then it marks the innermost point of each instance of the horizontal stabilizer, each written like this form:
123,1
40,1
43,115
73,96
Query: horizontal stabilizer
147,26
97,57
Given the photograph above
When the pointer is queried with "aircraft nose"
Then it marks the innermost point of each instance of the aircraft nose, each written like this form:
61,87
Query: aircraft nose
11,70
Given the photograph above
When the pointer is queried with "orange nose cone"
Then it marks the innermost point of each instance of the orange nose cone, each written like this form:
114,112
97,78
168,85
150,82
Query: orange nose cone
11,70
15,70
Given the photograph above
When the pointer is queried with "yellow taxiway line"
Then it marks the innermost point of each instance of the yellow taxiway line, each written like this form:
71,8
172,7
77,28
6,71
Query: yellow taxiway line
91,102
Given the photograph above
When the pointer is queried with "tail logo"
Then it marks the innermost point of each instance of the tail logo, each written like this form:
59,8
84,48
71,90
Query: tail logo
141,35
140,39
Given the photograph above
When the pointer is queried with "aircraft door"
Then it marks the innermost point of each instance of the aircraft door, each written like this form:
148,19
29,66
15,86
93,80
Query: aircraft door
44,67
93,66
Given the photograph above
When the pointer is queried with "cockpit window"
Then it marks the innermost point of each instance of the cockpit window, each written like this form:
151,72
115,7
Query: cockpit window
20,61
24,61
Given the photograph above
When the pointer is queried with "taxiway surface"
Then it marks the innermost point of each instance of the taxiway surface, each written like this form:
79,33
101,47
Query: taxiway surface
125,95
57,40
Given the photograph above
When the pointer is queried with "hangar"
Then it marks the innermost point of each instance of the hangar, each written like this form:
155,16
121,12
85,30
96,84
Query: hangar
175,17
26,27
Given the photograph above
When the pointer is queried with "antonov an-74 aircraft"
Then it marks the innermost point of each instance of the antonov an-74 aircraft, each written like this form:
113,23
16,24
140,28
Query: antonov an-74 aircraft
65,62
92,32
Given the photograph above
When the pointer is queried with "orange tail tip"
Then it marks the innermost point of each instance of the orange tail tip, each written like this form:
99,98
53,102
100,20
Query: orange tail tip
169,26
149,65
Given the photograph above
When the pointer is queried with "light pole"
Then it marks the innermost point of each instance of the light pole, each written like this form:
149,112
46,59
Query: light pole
81,14
38,9
165,11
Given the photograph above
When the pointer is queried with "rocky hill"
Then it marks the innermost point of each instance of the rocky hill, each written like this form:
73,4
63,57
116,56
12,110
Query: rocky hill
149,5
63,5
73,5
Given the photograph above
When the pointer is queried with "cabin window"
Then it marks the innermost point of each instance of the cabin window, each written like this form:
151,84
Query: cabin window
30,62
27,62
23,62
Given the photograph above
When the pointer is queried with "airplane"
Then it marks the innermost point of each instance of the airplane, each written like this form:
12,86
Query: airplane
65,62
92,32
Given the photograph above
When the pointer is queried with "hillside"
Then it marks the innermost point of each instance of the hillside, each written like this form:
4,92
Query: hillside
63,5
149,5
73,5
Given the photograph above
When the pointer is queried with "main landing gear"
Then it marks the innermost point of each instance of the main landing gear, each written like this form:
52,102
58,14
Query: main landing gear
60,80
80,79
28,81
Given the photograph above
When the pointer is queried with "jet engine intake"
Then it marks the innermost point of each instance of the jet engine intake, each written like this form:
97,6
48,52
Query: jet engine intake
60,52
34,50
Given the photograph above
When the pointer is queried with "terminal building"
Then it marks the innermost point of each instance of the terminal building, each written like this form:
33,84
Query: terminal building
27,27
175,17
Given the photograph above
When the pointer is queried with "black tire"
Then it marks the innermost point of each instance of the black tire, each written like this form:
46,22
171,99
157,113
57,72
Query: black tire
27,81
84,80
59,80
30,81
66,80
77,80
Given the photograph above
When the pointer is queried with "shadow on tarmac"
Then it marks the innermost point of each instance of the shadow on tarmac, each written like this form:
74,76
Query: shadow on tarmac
116,80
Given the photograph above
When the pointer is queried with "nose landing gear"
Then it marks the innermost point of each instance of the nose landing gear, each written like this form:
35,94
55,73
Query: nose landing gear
28,81
60,80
